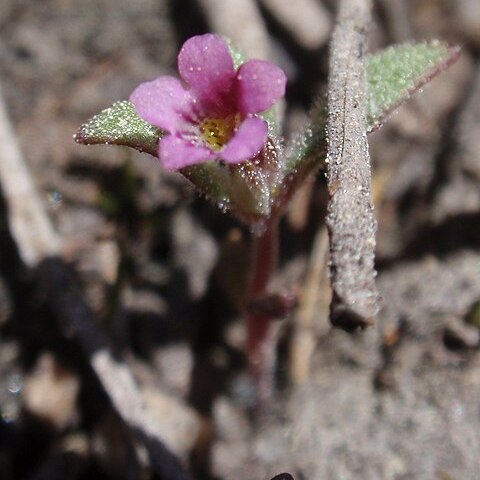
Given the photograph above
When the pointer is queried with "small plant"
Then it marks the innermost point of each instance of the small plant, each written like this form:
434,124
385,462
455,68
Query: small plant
216,127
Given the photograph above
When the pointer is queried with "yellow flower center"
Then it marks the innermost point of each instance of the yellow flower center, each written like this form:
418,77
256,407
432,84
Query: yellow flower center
216,132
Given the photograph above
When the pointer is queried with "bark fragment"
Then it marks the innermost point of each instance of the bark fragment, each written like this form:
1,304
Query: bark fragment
350,219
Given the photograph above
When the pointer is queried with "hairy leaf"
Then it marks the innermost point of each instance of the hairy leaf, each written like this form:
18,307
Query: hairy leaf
120,125
396,72
210,179
392,76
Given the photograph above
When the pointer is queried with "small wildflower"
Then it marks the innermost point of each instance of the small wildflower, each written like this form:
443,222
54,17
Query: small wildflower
211,115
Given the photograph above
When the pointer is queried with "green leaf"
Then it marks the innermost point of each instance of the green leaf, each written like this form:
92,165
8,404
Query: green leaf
392,75
237,56
308,146
396,72
120,125
211,180
304,154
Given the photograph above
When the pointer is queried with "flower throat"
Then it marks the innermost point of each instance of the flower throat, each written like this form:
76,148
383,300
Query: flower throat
216,132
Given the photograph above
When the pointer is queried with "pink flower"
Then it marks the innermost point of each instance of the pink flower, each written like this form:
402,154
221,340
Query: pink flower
211,115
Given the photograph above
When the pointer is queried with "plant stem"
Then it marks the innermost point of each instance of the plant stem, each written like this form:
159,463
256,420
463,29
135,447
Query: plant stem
259,342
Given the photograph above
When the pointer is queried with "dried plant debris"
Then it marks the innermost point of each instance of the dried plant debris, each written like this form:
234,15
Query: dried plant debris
362,92
29,223
350,217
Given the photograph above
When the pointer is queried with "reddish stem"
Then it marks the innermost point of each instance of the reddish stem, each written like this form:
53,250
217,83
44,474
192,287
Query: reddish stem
259,344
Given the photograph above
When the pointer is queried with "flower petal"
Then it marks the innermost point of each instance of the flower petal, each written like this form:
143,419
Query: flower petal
259,85
174,153
205,64
164,103
247,142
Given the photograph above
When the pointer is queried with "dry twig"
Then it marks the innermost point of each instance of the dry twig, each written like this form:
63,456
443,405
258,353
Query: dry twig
350,217
29,223
311,319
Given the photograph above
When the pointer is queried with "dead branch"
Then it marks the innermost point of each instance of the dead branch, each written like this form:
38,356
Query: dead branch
350,219
311,319
29,223
40,249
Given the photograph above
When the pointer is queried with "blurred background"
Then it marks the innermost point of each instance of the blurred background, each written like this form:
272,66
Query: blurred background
124,260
